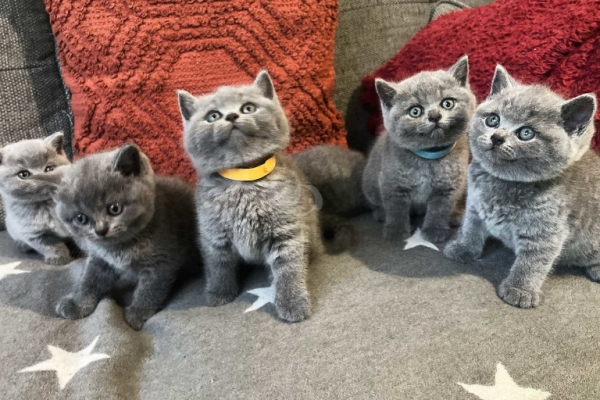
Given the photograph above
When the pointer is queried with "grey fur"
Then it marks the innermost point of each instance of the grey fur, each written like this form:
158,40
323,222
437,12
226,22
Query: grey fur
30,217
540,197
270,221
150,241
396,182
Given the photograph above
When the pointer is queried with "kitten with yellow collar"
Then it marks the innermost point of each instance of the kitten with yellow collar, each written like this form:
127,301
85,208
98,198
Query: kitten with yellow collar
254,205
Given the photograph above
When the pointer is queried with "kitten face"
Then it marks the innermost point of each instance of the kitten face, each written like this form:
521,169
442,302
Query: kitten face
430,109
234,125
107,197
528,133
29,168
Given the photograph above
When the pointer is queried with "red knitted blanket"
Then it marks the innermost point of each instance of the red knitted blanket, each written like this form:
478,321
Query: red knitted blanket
123,61
556,42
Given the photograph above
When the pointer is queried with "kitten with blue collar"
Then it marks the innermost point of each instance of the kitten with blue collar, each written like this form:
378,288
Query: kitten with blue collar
418,165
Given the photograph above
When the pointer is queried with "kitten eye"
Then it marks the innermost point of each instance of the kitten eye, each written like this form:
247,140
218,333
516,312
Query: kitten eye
525,133
492,120
415,111
248,108
49,168
115,209
213,116
448,104
24,174
81,219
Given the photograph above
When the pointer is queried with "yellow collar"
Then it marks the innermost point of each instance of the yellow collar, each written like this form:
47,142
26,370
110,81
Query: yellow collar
249,174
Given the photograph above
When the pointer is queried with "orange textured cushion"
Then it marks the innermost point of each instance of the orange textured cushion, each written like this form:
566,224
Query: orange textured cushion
123,60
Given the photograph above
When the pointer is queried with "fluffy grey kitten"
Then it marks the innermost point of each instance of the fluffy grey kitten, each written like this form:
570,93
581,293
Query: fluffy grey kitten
533,184
28,177
136,226
428,111
270,221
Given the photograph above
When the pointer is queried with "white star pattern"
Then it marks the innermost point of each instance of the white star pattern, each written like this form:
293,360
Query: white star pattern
67,364
417,239
505,388
10,269
265,295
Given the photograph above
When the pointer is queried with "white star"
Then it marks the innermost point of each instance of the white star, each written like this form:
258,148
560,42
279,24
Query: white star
265,295
67,364
9,269
505,389
418,240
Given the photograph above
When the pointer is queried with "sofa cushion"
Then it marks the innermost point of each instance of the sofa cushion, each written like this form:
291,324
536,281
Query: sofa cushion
123,62
532,40
33,99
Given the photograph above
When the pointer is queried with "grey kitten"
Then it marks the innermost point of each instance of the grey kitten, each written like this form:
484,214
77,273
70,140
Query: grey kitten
337,174
135,225
271,220
427,112
533,185
28,178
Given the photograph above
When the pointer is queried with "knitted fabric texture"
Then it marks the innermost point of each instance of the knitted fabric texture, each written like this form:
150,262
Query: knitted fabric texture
124,60
554,42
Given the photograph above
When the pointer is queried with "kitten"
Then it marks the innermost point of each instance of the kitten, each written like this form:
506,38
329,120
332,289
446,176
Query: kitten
337,174
533,185
271,220
135,225
29,175
418,165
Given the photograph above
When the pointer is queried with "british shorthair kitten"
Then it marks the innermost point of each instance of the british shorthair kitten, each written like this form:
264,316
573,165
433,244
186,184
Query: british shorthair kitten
270,218
28,178
418,165
533,184
135,225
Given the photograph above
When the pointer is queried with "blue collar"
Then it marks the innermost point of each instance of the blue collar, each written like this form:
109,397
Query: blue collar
434,153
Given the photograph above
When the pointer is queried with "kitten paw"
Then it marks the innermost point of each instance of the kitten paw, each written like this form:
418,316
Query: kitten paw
58,260
137,317
293,309
379,214
436,235
394,233
219,299
594,273
68,308
458,252
518,297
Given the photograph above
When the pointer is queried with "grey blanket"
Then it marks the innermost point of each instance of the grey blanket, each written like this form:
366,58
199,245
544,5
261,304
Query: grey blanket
388,323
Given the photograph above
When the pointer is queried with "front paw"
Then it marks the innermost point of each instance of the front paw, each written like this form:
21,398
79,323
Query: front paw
137,317
58,260
457,251
293,309
215,299
594,273
436,235
395,232
69,308
518,297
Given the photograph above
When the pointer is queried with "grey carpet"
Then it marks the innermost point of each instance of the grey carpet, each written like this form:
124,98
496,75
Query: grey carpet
387,324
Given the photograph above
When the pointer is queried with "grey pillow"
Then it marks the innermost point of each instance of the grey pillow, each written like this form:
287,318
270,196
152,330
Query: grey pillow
33,99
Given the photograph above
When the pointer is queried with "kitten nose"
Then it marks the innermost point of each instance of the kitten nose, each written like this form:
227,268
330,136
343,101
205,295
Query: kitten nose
101,229
434,115
231,117
497,140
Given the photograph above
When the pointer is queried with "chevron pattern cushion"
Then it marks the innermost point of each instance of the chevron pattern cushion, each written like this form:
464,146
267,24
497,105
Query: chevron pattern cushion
123,61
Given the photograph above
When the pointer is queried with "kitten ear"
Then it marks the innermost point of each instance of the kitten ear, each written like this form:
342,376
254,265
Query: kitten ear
128,160
187,104
265,84
385,91
56,140
501,80
460,70
578,113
